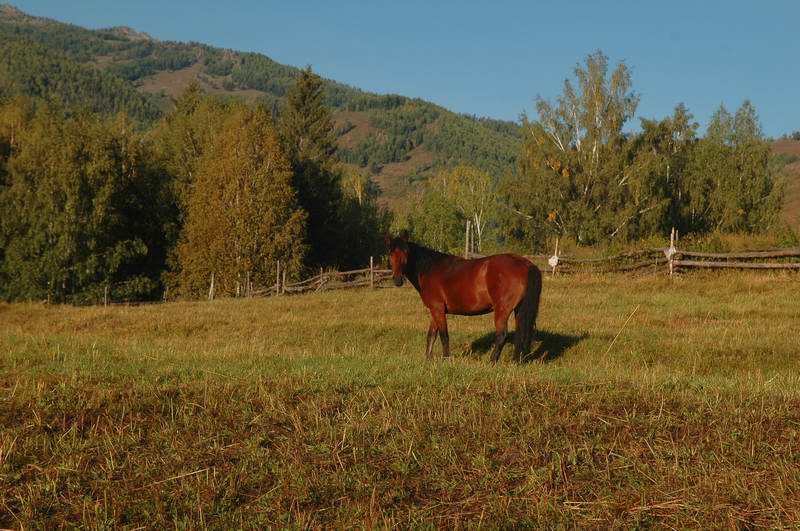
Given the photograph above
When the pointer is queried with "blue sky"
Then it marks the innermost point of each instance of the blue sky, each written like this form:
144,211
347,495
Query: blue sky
494,58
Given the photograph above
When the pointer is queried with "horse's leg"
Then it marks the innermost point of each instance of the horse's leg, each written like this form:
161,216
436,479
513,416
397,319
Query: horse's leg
431,340
440,321
501,330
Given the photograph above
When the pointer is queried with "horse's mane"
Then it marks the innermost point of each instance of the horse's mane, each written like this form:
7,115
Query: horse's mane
423,258
420,259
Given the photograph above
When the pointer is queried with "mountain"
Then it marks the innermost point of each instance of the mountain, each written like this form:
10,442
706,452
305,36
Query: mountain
399,141
788,153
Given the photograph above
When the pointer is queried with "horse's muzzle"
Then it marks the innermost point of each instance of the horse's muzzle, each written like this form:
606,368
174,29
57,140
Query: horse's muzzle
398,280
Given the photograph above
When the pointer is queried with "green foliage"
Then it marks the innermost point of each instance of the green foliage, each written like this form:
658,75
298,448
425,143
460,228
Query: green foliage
243,213
30,69
256,71
79,44
490,145
398,124
308,137
363,222
732,187
451,198
435,222
583,178
163,58
402,129
80,208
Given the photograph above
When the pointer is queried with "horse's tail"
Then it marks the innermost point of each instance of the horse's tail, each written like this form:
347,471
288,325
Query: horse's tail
527,310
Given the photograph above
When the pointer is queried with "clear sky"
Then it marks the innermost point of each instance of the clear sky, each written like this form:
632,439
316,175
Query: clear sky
494,58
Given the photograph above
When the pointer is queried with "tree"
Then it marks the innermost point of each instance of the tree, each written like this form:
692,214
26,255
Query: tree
243,212
309,140
435,222
733,187
179,142
79,210
363,220
572,180
451,198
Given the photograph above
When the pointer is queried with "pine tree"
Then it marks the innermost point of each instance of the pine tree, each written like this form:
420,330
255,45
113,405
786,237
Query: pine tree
243,213
309,138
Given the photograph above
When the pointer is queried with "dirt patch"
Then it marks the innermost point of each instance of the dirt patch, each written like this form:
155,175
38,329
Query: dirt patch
174,83
361,128
397,190
785,146
171,83
791,202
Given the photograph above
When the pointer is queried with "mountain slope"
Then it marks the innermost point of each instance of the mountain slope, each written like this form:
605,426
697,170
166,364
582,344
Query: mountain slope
399,141
789,150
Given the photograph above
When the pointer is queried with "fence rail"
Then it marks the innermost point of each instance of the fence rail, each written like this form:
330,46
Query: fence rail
673,258
658,260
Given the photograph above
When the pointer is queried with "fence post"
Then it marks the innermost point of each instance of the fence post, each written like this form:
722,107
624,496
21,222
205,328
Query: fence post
105,296
466,240
553,261
278,279
211,288
671,251
283,284
371,273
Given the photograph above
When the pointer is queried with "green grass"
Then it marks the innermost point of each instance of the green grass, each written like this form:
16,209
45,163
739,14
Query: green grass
318,411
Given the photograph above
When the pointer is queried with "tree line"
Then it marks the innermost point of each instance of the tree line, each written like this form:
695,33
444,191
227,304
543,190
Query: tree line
217,188
581,176
91,202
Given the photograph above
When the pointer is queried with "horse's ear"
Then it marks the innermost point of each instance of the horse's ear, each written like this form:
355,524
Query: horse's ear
404,235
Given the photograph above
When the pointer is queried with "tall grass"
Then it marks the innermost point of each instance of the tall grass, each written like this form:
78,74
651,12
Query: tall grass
320,411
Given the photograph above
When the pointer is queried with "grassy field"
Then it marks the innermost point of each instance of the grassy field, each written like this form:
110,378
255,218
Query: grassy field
319,411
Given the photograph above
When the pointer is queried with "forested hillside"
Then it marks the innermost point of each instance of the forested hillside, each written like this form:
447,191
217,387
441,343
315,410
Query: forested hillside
394,139
149,169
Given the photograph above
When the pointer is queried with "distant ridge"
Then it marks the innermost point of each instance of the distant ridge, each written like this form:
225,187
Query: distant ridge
398,141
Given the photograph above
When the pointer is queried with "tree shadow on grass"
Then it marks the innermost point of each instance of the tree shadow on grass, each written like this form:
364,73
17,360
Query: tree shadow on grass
547,346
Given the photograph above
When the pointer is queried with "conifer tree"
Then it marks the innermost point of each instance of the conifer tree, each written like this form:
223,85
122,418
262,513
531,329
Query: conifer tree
309,138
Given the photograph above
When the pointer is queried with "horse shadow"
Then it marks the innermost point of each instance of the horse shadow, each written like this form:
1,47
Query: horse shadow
548,345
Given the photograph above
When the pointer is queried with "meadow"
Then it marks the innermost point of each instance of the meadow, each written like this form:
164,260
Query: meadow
648,402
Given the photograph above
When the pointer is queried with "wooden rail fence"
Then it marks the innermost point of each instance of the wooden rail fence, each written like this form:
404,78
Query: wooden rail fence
658,260
655,259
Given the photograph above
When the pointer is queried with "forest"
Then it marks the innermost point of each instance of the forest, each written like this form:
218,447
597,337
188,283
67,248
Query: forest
106,187
582,177
92,202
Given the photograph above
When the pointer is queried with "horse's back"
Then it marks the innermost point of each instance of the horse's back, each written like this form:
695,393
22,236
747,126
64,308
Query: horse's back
480,285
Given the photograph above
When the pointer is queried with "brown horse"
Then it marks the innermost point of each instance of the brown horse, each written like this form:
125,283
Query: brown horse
449,284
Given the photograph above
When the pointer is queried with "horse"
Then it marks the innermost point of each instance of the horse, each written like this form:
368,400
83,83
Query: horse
453,285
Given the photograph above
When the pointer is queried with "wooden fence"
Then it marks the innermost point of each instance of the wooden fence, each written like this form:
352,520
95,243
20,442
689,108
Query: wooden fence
667,260
328,280
658,260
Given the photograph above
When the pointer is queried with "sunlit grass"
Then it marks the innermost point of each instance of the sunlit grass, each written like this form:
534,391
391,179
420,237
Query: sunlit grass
319,410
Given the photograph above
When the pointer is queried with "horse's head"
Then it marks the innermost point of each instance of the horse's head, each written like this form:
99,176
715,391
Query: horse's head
398,256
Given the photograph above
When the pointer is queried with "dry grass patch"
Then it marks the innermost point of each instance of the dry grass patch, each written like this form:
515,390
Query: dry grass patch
319,411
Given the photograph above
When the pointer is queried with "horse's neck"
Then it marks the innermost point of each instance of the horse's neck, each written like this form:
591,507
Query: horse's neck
422,259
412,271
